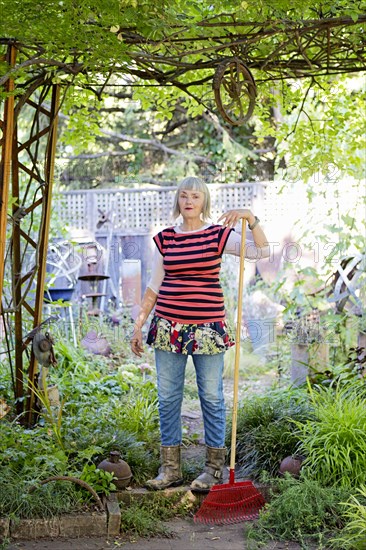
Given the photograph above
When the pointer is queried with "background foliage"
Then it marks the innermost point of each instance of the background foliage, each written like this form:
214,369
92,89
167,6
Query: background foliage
119,125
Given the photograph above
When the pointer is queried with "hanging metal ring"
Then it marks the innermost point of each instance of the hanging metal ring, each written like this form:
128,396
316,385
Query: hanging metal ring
235,91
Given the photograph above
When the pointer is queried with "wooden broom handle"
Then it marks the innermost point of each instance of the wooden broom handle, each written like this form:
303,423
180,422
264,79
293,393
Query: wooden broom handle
237,345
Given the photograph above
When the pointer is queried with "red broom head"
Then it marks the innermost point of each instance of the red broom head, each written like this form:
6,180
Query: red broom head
230,503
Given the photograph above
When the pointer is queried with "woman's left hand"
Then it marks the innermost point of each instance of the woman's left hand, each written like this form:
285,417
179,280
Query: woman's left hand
231,217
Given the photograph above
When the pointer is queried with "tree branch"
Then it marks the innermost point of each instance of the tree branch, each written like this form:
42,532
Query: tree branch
73,69
301,109
155,144
85,156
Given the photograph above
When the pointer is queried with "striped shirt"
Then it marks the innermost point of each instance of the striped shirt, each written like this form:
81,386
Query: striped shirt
191,291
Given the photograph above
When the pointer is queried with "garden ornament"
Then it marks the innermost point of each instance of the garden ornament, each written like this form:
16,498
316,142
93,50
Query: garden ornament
42,346
96,343
4,408
292,465
119,468
347,283
63,264
235,91
103,218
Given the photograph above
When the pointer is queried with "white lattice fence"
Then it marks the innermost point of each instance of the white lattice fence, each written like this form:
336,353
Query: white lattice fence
139,210
72,208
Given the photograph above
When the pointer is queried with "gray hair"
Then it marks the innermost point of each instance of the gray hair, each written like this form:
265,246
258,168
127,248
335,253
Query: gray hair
191,183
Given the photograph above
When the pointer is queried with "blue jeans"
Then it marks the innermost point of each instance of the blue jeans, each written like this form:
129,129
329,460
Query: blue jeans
170,369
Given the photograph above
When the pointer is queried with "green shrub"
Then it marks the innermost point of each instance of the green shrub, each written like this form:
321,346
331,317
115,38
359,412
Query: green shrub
139,521
92,420
140,414
93,440
46,501
301,509
30,453
334,442
100,480
145,517
265,431
353,536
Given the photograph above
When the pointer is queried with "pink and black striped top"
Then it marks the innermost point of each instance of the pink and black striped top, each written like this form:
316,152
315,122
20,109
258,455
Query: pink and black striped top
191,291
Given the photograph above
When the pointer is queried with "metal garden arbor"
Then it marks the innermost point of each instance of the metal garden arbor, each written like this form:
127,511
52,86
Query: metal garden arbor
307,49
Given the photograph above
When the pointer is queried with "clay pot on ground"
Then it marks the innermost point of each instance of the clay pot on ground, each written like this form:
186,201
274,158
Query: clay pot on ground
292,465
119,468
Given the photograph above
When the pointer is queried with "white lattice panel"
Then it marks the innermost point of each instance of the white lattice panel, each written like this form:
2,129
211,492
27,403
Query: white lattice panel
143,209
283,202
121,210
72,208
104,201
229,197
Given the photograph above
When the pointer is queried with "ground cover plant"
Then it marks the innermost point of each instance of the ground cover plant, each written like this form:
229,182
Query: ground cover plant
18,501
299,510
326,504
102,407
147,517
323,422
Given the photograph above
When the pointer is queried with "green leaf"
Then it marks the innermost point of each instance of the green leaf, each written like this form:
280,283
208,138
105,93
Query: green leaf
348,220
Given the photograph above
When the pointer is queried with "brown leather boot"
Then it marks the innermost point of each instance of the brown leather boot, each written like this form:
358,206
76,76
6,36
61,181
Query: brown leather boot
170,471
212,474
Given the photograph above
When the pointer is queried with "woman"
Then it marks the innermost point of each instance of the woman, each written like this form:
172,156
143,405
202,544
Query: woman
189,319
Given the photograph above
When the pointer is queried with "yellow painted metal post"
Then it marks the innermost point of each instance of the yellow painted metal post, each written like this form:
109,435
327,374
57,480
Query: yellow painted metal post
6,161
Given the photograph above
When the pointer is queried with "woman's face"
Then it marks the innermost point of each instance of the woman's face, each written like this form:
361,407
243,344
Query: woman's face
191,203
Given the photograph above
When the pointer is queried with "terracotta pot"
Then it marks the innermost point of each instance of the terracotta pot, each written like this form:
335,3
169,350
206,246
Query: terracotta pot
119,468
292,465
